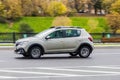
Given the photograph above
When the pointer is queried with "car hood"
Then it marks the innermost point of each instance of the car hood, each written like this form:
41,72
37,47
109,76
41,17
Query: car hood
27,39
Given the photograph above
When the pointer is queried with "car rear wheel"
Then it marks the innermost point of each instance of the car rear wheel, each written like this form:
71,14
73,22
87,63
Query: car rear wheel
84,52
73,54
35,52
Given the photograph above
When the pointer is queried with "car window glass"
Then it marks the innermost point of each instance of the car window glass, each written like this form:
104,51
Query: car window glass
56,34
72,33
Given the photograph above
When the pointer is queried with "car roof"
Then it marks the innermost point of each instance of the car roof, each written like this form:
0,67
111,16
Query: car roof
66,27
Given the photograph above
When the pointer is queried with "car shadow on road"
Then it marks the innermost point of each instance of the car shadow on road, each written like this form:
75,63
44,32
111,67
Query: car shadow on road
55,57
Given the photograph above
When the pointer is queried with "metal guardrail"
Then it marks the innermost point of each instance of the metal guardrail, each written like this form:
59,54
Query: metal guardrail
98,37
12,37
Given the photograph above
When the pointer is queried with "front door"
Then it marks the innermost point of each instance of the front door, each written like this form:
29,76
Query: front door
55,42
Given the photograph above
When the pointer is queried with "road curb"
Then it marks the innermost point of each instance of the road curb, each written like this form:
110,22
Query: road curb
107,47
6,47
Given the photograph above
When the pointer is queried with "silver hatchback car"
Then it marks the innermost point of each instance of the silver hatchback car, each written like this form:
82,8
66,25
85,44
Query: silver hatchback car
75,41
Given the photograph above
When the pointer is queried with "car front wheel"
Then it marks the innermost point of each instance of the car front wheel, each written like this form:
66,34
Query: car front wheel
84,52
35,52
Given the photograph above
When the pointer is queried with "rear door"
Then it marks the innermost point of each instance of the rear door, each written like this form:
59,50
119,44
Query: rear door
71,39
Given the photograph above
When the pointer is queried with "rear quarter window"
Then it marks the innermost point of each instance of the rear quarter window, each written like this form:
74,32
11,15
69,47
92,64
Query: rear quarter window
72,33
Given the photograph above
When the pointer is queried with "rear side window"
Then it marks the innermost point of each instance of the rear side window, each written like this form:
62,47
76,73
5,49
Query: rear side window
72,33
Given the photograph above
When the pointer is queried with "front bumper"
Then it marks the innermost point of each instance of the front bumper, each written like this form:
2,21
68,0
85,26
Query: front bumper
20,51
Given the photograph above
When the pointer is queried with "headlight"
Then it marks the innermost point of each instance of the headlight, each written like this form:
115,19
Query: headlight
23,43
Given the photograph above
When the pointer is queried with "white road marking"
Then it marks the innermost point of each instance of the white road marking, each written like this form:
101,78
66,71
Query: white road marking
39,77
109,66
114,66
100,66
60,69
42,73
105,67
57,74
106,53
78,70
6,77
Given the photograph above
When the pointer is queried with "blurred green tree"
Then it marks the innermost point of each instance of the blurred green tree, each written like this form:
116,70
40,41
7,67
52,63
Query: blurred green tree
56,8
115,7
12,9
107,5
62,21
2,7
114,21
25,28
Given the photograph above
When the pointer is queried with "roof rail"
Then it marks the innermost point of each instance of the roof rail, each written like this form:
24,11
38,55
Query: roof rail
58,27
52,27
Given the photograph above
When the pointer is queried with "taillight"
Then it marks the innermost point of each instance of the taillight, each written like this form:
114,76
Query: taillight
90,38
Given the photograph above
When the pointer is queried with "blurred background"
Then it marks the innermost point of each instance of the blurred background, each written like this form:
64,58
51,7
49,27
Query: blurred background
25,18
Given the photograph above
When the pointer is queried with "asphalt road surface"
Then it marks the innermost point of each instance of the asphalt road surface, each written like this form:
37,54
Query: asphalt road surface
103,64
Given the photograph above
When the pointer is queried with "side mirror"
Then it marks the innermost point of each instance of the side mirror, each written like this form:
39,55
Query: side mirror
48,37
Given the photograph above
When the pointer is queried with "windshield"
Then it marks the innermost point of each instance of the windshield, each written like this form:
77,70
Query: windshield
43,32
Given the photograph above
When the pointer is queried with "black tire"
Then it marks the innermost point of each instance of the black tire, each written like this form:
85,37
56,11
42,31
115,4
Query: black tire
35,52
73,54
84,52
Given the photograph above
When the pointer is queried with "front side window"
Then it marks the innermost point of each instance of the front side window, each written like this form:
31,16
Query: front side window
56,34
72,33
